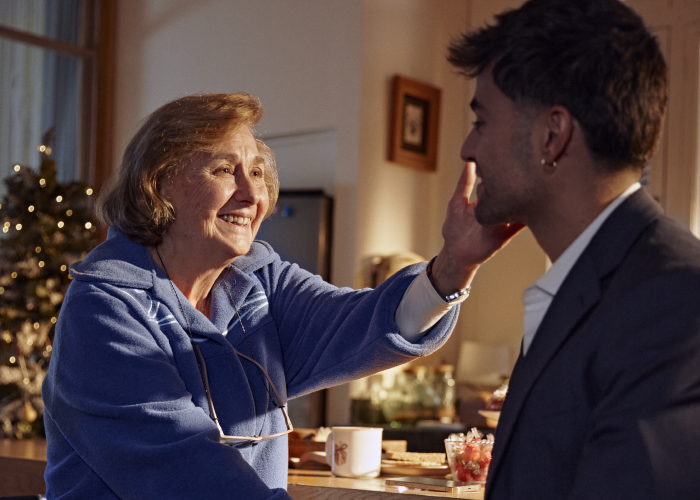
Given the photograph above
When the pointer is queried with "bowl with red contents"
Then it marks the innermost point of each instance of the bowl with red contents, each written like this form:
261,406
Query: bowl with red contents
469,456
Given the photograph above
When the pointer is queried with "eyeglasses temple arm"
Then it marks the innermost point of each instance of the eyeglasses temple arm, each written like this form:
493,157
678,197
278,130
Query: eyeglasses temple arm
272,384
206,388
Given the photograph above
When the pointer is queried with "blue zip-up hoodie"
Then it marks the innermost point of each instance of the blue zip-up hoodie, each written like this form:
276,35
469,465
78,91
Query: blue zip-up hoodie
126,413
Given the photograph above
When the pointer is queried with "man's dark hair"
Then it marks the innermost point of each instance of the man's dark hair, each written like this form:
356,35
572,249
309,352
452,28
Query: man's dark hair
594,57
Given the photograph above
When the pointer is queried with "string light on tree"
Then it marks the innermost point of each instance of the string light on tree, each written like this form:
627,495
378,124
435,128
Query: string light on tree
46,226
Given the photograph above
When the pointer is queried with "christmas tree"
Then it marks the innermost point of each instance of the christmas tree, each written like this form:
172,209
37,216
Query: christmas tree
46,226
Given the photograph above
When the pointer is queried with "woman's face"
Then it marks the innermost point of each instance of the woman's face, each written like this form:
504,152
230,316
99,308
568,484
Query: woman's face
219,200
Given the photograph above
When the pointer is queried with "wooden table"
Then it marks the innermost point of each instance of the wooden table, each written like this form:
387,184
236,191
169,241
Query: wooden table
22,465
322,485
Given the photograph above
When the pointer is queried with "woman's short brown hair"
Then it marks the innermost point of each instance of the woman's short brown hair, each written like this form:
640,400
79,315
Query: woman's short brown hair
168,140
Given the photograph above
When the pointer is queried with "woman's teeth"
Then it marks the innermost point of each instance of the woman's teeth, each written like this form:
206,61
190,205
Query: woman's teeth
240,221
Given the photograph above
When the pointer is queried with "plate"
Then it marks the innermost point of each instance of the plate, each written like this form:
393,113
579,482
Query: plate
415,470
491,417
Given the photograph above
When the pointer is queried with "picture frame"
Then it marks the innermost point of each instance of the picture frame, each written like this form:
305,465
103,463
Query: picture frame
415,119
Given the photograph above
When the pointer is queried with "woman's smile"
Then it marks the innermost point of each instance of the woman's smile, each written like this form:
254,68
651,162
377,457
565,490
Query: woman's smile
235,220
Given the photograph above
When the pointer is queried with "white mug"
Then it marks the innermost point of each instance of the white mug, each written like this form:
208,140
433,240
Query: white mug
354,451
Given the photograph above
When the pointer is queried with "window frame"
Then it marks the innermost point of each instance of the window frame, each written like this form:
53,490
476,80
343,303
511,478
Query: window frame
96,49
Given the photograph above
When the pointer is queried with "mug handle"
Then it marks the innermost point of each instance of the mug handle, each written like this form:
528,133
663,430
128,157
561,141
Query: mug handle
329,449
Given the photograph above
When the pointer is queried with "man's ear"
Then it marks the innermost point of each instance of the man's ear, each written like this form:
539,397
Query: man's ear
558,128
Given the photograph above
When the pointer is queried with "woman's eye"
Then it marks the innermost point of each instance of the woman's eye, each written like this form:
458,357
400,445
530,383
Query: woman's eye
478,124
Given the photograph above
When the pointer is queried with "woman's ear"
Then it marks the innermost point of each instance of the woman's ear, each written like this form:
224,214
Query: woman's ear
164,185
558,127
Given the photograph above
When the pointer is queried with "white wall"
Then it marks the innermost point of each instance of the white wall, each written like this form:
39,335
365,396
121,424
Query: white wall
399,208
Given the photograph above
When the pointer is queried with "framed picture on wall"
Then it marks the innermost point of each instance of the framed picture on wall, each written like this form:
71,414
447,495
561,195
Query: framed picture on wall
415,116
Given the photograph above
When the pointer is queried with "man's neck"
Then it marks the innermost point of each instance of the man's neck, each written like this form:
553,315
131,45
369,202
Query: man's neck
573,210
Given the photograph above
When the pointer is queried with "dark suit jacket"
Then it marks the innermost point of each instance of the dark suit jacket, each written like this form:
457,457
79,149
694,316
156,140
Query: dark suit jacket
606,404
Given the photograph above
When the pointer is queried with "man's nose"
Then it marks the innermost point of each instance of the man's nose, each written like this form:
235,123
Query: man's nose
467,151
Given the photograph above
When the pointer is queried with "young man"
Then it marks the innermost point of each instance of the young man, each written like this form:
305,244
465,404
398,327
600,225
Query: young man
604,401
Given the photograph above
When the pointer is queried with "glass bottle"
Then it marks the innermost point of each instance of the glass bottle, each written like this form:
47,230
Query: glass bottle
447,388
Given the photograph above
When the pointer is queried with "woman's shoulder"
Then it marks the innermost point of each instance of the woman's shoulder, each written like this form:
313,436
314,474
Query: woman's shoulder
117,261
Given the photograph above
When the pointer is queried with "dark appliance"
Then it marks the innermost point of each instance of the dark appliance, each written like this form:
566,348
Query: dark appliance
300,231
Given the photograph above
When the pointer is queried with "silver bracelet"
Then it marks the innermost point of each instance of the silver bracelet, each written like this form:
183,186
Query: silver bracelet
464,292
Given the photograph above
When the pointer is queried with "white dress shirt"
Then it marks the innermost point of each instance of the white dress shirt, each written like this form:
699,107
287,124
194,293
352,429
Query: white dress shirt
420,308
538,296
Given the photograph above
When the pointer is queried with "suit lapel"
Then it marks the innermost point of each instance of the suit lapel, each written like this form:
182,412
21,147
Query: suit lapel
568,308
578,295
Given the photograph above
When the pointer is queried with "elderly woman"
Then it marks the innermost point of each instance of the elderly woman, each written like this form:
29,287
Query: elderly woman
181,338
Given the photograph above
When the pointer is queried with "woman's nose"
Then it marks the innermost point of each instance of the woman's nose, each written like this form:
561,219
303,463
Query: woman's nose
246,189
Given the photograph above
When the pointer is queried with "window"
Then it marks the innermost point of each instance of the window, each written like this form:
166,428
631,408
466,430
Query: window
55,86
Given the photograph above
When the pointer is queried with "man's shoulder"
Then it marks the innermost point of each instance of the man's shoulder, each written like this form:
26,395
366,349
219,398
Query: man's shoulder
639,232
659,271
667,246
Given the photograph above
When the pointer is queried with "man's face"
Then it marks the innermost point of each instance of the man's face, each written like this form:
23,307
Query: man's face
500,145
